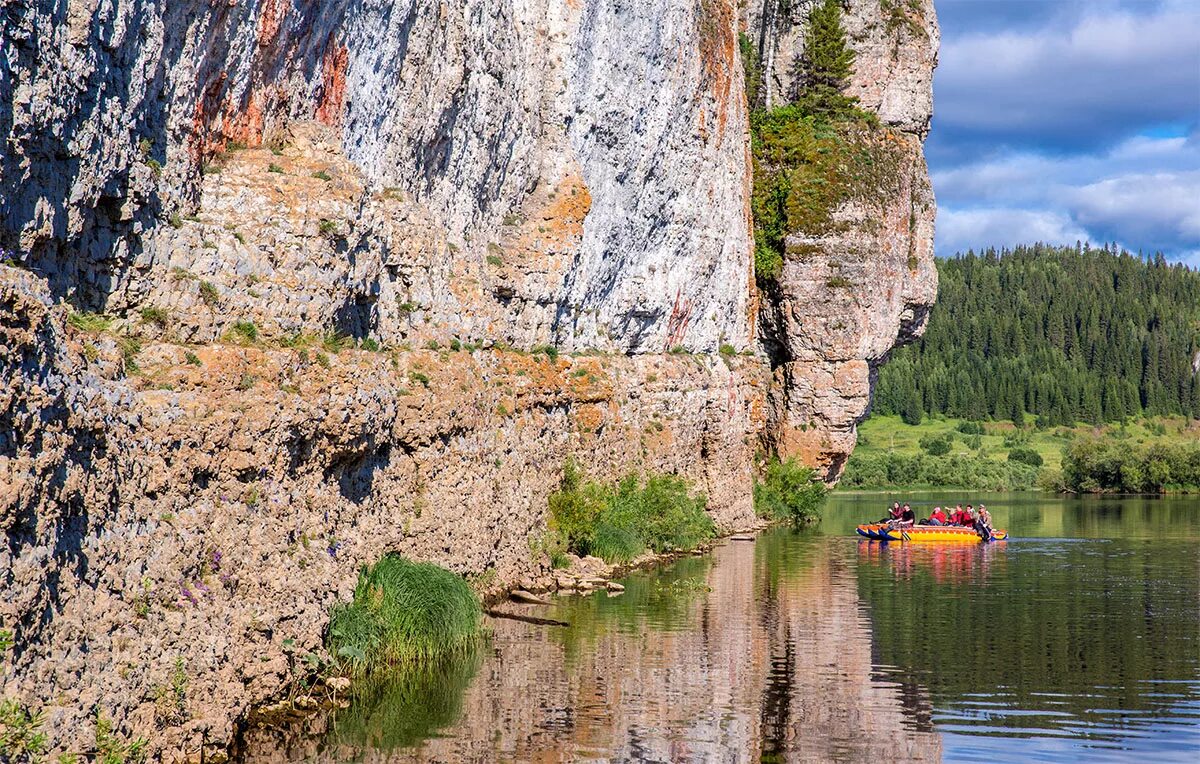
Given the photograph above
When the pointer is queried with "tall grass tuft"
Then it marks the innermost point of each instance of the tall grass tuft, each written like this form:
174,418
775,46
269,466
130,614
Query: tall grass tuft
789,491
620,522
404,613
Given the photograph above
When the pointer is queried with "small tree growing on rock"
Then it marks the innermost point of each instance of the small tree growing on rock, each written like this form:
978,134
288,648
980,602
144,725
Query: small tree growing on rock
827,63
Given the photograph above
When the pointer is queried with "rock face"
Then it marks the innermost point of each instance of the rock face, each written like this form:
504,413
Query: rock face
243,185
207,510
503,124
846,297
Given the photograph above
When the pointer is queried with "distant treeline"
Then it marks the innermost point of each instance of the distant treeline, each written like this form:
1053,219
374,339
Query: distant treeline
1117,466
1068,334
967,471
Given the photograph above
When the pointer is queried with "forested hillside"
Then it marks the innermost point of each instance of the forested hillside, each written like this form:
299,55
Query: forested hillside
1066,334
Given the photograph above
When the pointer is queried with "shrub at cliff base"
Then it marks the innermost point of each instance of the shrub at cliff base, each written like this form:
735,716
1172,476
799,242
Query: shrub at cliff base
789,491
618,523
404,613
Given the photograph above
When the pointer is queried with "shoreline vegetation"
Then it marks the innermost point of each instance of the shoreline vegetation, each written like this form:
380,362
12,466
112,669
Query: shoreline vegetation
404,615
663,514
407,616
1158,455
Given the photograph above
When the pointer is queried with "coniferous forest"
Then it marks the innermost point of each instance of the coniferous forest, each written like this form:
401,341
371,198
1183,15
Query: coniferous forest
1064,334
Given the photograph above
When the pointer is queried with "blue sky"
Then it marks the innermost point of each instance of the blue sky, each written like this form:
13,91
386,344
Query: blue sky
1058,120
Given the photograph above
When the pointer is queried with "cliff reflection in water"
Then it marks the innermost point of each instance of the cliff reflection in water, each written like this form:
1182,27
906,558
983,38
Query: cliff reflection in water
761,653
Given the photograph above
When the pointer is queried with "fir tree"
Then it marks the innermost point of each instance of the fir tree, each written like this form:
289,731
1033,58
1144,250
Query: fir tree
1067,334
827,63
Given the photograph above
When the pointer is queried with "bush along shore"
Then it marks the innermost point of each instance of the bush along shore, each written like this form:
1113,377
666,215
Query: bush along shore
405,614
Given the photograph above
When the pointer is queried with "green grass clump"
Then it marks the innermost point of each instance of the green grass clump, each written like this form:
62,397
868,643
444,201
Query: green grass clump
404,613
89,322
789,491
335,341
272,167
549,351
21,736
620,522
111,748
243,333
129,347
159,317
209,294
321,175
727,350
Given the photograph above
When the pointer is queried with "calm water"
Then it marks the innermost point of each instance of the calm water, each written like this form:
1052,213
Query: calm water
1077,640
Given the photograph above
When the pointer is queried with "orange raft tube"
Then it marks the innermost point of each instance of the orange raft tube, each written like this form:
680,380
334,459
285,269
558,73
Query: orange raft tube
935,534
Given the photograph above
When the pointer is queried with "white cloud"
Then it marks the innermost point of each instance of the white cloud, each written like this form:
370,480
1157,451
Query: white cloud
959,230
1144,193
1162,207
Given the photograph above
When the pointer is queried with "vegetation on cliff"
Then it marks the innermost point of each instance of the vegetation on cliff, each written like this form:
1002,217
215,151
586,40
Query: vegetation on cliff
23,740
1067,334
404,613
813,155
789,491
619,522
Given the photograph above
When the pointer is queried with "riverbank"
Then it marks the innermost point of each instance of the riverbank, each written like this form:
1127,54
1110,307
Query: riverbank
968,455
225,496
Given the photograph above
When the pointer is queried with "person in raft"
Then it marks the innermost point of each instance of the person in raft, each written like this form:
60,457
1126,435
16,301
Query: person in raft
894,513
937,517
983,523
966,517
907,517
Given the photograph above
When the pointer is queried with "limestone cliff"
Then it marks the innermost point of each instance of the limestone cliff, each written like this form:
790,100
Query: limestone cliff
446,185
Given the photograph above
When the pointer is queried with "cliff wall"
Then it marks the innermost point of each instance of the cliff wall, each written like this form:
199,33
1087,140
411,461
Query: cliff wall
240,185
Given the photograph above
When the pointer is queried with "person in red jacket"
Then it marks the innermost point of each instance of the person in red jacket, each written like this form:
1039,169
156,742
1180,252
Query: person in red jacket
937,516
959,517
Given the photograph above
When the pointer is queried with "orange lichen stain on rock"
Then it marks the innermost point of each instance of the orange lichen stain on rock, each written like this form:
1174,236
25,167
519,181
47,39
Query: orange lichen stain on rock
244,125
219,118
333,84
557,223
718,57
589,417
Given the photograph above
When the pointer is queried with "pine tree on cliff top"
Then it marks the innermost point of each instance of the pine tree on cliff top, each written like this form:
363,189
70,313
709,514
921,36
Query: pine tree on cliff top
827,63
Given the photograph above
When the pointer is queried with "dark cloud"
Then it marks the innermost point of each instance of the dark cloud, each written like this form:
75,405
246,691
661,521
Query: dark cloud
1063,120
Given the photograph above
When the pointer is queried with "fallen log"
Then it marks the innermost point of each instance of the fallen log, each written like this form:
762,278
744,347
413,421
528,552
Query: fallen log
526,618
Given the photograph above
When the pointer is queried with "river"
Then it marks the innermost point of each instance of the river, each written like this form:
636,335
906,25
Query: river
1079,639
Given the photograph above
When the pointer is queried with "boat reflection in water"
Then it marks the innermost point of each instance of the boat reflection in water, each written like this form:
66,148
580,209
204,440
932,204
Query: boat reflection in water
945,564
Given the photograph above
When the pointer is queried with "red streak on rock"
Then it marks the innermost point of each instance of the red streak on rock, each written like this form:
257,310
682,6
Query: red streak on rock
270,20
332,97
